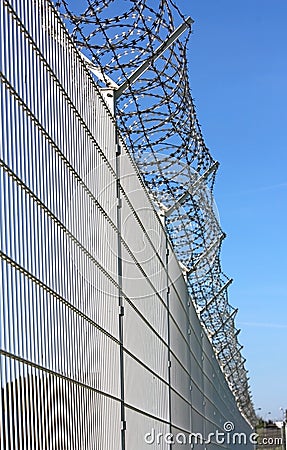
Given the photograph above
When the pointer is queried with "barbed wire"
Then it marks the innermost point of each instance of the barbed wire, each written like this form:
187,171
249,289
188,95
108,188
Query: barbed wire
157,118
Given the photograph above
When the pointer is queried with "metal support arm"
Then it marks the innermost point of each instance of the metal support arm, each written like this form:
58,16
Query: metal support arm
233,314
192,189
157,53
224,287
215,243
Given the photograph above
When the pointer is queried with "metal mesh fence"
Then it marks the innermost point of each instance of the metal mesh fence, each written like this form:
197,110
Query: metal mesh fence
101,346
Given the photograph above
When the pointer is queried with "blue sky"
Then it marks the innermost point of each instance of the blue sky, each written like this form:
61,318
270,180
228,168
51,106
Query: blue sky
238,74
